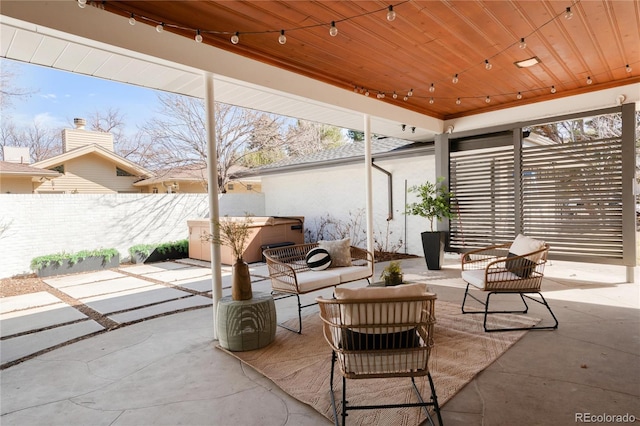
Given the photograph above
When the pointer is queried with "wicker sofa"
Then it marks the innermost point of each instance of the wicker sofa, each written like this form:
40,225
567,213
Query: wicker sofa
291,276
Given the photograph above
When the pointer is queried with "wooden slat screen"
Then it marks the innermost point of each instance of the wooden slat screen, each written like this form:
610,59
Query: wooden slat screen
572,197
483,187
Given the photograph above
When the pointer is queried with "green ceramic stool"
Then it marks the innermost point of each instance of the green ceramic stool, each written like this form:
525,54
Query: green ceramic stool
245,325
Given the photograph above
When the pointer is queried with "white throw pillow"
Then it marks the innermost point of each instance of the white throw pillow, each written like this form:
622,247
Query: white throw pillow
339,250
524,245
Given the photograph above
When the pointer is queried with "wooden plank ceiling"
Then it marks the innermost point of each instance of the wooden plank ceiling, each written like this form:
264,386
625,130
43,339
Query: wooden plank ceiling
427,43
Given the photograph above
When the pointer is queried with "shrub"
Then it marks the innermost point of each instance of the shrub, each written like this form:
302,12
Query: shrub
73,258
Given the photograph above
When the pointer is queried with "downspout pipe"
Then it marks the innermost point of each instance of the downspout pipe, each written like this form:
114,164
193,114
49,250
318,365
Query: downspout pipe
389,189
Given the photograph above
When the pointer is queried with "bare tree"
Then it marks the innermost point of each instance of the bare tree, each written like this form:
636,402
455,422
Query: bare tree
9,91
307,137
179,135
43,142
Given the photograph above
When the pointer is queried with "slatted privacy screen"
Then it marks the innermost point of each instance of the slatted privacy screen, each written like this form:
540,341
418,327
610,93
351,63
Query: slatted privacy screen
572,197
569,195
484,197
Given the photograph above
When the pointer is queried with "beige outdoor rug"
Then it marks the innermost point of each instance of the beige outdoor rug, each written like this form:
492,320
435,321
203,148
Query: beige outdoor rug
300,364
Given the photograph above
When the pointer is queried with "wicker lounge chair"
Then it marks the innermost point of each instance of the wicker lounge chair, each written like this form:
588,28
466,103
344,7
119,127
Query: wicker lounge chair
497,269
380,333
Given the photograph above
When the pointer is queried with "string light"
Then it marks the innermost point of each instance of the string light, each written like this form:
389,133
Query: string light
523,44
391,14
627,68
82,4
333,31
568,14
406,98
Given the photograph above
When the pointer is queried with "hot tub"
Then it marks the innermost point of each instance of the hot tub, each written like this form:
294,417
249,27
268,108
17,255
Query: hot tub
265,231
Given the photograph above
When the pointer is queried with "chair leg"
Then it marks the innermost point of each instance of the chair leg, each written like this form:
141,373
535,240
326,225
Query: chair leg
299,330
522,296
434,400
331,394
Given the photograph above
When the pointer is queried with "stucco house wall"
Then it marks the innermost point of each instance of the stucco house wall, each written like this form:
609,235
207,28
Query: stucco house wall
340,190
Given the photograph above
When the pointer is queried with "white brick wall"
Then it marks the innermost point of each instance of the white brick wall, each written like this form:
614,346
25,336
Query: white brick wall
39,224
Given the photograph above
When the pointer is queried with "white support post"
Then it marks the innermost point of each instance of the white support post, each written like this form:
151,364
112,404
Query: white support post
213,192
369,182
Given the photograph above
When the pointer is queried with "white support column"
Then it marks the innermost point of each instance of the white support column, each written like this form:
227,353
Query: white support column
369,182
213,191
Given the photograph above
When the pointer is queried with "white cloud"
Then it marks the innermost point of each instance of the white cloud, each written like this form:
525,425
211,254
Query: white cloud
49,96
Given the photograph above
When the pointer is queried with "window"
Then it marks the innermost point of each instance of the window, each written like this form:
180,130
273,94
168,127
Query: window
120,172
59,169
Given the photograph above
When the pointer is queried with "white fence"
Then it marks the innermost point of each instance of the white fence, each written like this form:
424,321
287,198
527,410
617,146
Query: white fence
39,224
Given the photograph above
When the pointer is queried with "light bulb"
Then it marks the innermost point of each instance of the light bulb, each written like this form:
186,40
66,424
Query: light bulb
458,101
432,88
355,89
160,27
455,79
395,95
519,95
553,89
82,4
487,99
568,14
487,64
589,81
235,39
627,68
410,93
132,20
333,31
198,37
523,44
431,100
366,92
282,39
391,15
406,98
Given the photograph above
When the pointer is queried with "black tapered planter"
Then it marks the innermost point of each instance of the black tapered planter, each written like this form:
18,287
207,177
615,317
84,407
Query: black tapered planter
433,247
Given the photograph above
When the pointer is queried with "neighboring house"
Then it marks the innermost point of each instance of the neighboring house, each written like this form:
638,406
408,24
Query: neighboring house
331,184
89,165
193,179
18,178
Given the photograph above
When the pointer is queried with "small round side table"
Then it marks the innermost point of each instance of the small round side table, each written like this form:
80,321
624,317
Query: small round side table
245,325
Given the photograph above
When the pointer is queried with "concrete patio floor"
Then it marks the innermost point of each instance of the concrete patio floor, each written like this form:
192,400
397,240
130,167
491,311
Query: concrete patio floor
165,369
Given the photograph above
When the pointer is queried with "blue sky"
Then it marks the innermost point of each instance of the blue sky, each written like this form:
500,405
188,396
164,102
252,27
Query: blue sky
61,96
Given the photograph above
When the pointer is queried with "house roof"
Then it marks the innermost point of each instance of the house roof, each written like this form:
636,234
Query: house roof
345,154
121,162
18,169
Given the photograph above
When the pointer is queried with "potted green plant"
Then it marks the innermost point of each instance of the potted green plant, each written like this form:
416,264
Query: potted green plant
235,234
148,253
433,204
392,273
70,263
